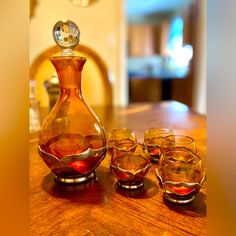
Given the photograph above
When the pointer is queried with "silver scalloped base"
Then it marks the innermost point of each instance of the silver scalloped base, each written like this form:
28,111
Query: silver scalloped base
178,200
74,168
75,179
132,186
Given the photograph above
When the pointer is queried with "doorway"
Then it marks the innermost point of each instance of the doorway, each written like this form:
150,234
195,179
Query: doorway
161,39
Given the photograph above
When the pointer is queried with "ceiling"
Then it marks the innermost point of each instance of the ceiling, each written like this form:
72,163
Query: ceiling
143,8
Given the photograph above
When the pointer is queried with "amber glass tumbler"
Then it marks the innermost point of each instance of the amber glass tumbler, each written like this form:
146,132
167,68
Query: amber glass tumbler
153,138
180,142
180,174
130,167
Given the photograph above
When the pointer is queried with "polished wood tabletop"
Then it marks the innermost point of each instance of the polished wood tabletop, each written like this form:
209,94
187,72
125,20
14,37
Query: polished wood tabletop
100,207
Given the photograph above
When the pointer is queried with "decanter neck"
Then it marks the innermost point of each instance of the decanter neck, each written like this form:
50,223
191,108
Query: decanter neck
69,71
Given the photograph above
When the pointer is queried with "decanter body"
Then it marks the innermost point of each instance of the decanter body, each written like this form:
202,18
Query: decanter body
72,141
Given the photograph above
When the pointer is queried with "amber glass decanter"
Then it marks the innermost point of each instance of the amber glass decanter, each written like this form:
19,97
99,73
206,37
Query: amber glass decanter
72,140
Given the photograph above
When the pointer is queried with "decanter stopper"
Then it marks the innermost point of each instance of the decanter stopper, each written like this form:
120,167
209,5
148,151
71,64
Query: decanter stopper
66,35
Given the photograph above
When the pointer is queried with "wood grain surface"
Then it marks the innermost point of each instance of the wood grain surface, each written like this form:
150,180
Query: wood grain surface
101,208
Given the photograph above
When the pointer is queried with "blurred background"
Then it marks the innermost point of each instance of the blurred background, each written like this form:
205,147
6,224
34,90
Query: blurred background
154,50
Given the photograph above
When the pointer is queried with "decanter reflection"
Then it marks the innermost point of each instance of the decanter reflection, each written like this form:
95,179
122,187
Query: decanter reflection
53,90
72,141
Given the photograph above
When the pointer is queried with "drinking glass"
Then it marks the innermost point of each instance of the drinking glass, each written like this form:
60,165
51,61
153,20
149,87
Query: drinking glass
130,167
123,138
180,142
153,139
180,175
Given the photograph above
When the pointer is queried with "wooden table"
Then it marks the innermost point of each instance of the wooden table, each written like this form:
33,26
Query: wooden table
99,207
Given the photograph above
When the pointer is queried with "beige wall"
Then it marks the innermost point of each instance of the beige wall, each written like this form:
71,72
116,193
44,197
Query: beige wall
102,26
200,96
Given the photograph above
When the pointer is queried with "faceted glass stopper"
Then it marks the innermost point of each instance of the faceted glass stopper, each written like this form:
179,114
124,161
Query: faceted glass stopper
66,34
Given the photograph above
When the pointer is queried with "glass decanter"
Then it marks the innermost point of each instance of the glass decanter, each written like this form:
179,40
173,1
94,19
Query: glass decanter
72,141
